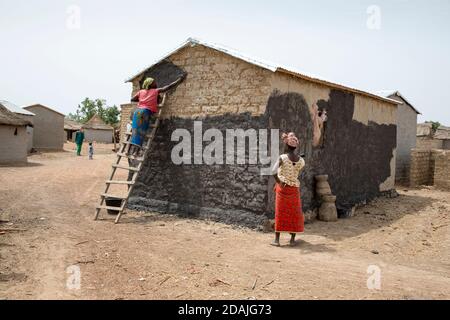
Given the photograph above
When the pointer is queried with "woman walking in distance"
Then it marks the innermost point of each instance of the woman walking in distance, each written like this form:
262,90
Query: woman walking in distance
288,205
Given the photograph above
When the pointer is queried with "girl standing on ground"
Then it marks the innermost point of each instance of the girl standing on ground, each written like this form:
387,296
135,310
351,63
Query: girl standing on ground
147,99
288,205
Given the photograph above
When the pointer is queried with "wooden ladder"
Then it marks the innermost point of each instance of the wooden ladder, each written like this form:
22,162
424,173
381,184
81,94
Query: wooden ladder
122,154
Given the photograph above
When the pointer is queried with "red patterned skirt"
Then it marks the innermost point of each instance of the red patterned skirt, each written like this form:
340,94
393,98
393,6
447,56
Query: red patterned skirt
288,210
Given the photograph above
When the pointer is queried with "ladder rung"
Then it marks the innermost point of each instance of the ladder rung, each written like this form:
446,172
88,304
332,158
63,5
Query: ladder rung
125,168
129,157
120,154
110,208
128,142
105,195
119,182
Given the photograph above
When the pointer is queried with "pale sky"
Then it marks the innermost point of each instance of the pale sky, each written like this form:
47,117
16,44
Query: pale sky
45,58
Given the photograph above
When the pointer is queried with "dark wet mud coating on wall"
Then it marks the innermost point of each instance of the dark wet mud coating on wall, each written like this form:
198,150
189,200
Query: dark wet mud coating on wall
235,194
356,157
164,73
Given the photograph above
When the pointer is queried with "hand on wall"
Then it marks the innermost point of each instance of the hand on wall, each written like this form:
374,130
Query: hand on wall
318,119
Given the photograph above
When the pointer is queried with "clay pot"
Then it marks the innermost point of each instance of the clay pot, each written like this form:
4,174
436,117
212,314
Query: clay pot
328,211
329,198
322,186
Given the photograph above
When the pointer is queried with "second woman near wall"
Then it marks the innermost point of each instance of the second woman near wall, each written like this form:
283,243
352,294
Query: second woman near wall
288,204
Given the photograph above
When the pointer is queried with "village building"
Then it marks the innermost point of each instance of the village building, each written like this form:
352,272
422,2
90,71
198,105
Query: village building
70,128
48,133
406,134
25,114
96,130
443,134
429,139
225,89
13,137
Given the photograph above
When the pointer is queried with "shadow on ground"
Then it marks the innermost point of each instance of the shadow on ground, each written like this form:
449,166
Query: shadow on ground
379,214
21,165
307,247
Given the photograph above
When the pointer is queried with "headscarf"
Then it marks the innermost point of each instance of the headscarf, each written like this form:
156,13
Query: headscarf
147,83
290,139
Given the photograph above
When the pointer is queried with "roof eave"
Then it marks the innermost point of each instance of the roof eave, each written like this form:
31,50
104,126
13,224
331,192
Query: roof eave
409,104
194,42
234,53
338,86
182,46
45,107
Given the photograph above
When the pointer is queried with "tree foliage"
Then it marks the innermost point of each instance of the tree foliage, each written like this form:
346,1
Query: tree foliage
434,125
89,107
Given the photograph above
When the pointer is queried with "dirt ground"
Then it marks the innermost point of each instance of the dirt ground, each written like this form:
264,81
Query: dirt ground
47,227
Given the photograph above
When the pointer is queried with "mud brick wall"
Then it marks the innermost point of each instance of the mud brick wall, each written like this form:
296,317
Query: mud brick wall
442,170
427,143
227,93
234,194
125,112
216,84
420,168
423,167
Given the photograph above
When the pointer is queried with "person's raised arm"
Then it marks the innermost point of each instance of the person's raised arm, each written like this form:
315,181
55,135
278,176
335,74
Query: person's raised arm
135,98
173,84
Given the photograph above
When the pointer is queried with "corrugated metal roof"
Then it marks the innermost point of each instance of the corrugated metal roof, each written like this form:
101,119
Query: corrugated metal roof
390,93
10,118
16,109
263,64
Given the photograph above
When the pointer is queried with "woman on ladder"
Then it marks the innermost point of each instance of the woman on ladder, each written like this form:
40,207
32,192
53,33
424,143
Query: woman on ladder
147,99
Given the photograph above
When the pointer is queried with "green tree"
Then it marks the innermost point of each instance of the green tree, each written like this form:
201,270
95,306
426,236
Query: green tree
89,107
111,115
434,125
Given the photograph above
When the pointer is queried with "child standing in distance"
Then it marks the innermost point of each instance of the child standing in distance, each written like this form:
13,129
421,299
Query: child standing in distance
91,151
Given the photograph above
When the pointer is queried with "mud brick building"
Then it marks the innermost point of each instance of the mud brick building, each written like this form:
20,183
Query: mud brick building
13,137
406,135
48,132
96,130
227,90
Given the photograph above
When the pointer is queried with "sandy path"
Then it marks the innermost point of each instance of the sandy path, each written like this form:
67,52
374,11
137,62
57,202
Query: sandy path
152,256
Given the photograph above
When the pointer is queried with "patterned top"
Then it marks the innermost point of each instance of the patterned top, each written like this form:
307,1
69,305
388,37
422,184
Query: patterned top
289,171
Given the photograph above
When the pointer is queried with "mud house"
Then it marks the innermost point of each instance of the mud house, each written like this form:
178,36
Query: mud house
429,139
226,90
70,128
25,114
443,134
13,137
406,134
96,130
48,133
